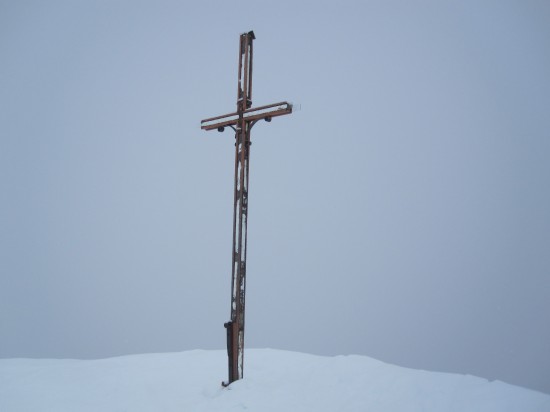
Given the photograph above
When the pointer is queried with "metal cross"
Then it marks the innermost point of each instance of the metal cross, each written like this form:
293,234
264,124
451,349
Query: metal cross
241,122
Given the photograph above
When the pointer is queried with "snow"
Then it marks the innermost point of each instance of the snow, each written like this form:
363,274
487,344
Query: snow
274,381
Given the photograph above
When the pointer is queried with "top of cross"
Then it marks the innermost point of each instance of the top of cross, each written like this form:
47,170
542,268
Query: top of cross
245,112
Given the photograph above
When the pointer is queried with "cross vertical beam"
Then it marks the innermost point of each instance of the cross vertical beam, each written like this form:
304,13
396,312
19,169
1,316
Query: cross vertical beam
240,205
241,122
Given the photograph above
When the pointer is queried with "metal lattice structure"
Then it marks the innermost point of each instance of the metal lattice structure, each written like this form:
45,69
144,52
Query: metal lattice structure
241,122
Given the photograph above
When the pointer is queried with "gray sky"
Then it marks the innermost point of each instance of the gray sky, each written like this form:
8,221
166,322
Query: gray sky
402,213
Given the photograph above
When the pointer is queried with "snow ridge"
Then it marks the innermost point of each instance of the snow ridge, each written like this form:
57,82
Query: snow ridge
274,381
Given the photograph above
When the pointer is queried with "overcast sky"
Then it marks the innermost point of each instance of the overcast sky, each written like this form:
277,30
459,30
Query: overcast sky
402,213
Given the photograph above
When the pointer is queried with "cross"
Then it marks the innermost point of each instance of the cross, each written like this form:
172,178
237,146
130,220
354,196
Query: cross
241,122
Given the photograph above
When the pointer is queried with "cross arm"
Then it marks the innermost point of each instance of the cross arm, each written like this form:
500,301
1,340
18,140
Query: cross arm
257,113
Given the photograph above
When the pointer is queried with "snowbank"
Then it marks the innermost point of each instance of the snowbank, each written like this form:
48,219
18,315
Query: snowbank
274,381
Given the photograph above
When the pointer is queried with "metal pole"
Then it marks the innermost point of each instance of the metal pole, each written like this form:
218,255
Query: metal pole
235,326
241,122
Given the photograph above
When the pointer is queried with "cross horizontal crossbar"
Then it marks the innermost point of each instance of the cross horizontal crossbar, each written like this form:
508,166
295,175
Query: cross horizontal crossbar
257,113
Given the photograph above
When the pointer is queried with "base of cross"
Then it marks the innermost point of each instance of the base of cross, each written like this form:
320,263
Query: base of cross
232,362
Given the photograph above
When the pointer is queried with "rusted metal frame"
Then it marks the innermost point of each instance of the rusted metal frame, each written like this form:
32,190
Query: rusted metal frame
275,113
251,110
282,109
251,37
244,246
232,325
236,271
232,332
243,212
238,278
240,266
241,122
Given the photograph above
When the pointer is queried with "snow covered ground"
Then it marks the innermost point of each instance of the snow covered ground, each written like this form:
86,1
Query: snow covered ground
274,381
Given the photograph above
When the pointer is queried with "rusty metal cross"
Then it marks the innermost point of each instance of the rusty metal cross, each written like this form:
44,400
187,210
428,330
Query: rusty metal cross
241,122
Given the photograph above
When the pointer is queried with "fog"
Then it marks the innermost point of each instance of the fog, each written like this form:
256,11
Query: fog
401,213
